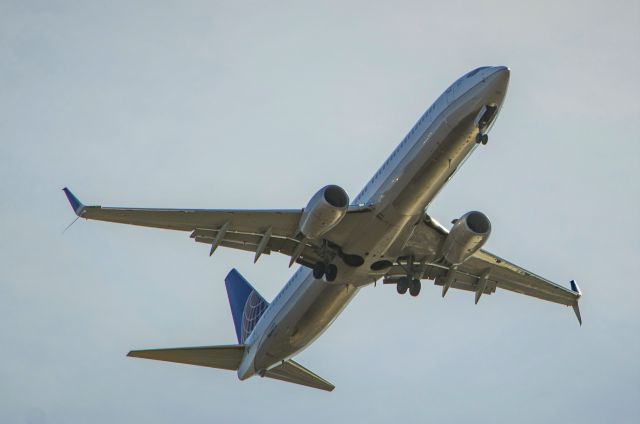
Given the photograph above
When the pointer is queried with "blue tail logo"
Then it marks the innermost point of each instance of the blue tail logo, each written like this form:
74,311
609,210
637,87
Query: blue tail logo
247,306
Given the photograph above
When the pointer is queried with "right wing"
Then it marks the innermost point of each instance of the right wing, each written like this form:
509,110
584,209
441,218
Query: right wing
482,273
509,276
258,231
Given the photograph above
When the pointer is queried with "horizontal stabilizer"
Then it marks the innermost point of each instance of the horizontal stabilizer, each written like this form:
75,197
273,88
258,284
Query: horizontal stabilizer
292,372
224,357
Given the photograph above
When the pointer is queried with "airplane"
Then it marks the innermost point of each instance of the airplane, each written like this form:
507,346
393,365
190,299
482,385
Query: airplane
342,246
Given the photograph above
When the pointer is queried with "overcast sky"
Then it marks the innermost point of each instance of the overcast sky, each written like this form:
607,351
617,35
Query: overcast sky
258,105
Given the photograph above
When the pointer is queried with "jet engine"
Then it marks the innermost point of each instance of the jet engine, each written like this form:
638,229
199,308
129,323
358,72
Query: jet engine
468,234
324,211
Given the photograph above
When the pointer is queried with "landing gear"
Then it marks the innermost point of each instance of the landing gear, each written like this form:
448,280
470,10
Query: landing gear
327,253
329,271
406,283
482,138
483,121
411,280
414,287
402,285
318,270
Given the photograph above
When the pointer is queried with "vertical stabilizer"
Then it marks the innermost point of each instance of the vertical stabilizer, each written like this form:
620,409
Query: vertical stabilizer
247,306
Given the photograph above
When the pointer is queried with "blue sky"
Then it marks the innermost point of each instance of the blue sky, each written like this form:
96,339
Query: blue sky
256,105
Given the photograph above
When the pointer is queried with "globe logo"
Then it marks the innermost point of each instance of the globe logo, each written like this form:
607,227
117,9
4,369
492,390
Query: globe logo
254,307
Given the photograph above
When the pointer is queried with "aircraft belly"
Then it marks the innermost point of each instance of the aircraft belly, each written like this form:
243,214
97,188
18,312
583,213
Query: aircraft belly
316,309
400,203
448,143
321,313
447,148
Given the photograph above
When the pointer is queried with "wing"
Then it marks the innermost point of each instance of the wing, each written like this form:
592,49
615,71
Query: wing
482,273
258,231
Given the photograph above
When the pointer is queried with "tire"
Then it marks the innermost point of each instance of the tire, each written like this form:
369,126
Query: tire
331,273
402,285
485,139
414,287
318,270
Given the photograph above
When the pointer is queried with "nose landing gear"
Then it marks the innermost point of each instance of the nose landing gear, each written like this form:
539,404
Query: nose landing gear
483,121
482,138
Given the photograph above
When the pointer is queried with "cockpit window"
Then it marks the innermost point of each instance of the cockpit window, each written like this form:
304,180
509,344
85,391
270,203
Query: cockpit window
475,71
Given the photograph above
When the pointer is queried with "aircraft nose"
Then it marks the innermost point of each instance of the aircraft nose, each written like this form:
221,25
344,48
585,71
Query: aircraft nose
500,77
497,82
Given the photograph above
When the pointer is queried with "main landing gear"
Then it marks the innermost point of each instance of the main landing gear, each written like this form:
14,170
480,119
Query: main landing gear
411,280
406,283
329,271
328,253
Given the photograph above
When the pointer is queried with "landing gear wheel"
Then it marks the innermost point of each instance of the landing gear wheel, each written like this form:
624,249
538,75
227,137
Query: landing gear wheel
402,285
479,137
331,272
485,139
318,270
414,287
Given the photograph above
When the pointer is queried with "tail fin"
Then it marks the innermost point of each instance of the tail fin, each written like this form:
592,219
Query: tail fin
247,306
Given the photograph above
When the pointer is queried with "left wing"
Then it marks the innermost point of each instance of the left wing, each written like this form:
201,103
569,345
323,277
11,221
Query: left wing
258,231
482,273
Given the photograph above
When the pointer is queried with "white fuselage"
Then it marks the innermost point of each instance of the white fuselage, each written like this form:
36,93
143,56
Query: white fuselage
399,193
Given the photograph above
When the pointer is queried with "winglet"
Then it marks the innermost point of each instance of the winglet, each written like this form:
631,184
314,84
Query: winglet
576,308
575,288
76,204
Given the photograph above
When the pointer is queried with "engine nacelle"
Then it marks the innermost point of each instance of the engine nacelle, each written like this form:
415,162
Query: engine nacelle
324,211
468,234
